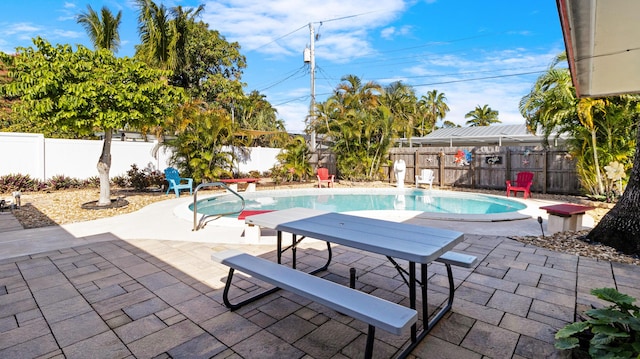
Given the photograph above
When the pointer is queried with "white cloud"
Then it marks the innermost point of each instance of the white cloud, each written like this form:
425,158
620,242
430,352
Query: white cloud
482,78
391,32
281,26
68,34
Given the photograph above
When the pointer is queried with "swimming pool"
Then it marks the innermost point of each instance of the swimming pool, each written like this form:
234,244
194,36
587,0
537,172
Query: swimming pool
347,200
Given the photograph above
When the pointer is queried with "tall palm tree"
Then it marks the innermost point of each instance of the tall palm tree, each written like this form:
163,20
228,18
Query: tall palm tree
181,25
434,107
482,116
155,32
103,31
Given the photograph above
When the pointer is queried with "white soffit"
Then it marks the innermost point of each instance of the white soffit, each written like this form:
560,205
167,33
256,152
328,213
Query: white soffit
602,38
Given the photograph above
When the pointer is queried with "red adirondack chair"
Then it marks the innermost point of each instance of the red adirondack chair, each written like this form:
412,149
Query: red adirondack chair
523,183
324,177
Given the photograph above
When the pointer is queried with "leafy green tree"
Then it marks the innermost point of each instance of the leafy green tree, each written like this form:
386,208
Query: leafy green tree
8,122
87,91
433,107
482,116
103,31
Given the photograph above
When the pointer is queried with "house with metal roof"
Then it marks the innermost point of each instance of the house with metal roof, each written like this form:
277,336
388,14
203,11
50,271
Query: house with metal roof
497,135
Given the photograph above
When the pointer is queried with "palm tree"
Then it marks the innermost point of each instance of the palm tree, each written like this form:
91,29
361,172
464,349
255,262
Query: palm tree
551,102
434,107
103,31
401,101
181,25
587,108
552,105
482,116
360,126
155,32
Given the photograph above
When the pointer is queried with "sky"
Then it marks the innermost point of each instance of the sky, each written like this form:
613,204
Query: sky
475,52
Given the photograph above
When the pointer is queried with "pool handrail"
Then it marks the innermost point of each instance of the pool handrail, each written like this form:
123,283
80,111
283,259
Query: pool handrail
200,224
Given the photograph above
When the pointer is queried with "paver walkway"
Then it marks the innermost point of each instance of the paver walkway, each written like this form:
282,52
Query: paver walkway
162,299
104,289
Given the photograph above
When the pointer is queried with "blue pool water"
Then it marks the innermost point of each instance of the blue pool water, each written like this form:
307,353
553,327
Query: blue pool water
416,200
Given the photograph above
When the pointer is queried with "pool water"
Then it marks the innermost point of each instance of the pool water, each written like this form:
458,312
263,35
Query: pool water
424,201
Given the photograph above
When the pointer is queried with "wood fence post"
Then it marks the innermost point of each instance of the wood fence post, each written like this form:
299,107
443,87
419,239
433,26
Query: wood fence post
441,169
544,170
507,156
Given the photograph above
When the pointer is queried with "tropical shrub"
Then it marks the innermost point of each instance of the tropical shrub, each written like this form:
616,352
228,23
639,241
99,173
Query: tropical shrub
143,179
610,332
18,182
121,181
91,182
294,161
59,182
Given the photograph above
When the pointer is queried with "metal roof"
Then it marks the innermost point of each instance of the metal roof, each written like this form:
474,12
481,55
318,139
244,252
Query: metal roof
602,39
502,135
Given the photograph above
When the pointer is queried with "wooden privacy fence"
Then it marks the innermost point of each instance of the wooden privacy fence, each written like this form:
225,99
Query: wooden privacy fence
489,167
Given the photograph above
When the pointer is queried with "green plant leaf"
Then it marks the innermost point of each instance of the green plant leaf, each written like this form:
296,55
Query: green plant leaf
613,296
571,329
600,340
609,331
607,315
567,343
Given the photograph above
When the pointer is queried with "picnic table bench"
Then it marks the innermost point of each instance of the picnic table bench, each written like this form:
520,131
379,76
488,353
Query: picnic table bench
376,312
565,217
233,183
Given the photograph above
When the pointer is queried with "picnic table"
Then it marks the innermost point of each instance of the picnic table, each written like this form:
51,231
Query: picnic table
418,245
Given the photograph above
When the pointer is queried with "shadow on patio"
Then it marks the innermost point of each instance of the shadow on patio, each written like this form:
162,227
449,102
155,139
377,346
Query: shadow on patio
153,298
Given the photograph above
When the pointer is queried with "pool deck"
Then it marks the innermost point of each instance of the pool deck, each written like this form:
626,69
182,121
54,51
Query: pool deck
142,285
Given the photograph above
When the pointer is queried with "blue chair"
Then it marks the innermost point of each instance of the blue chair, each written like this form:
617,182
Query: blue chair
176,182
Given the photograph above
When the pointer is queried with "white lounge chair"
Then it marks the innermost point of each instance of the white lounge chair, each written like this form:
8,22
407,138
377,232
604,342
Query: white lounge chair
426,176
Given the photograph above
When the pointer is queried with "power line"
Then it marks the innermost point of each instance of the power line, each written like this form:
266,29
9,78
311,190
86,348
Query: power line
430,84
279,38
305,25
301,68
480,78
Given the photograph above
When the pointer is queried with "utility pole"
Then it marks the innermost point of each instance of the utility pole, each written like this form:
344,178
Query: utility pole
312,70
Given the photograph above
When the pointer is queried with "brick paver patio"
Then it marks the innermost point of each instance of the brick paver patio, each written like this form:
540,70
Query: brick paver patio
162,299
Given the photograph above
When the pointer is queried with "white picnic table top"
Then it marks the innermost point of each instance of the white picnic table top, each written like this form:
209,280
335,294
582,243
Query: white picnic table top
410,242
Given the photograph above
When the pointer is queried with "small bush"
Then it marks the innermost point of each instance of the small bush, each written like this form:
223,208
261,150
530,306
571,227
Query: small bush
120,181
142,179
254,174
91,182
610,332
59,182
17,182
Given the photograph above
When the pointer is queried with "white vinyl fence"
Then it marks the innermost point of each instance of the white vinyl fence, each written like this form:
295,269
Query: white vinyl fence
43,158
